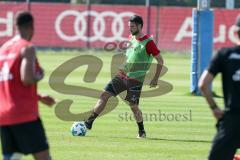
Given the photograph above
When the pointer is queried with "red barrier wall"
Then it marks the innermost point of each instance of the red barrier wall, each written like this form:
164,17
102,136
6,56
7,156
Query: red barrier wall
65,25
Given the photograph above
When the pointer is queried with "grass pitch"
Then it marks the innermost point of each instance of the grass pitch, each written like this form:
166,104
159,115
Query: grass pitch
113,136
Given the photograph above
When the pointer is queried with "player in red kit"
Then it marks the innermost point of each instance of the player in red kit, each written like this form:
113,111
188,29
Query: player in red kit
20,126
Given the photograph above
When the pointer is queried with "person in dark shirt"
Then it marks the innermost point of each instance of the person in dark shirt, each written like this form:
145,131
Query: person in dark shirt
226,62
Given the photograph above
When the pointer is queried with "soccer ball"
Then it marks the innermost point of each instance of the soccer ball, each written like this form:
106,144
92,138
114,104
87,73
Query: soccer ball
78,129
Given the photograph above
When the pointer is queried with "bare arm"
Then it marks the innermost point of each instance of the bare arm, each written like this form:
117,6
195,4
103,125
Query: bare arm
204,85
27,69
158,70
30,76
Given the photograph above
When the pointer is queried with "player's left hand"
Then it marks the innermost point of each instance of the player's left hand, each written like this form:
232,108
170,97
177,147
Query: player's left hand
218,113
47,100
40,74
153,83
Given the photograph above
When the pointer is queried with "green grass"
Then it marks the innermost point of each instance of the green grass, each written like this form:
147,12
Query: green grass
113,137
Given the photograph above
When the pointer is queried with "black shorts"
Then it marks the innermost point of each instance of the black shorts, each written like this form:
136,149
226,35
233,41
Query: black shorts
119,84
227,139
26,138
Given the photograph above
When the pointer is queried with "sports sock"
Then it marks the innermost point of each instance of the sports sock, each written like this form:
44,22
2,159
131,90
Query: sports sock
140,126
92,117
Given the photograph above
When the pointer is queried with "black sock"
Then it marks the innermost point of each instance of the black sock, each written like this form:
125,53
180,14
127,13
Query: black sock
92,117
140,126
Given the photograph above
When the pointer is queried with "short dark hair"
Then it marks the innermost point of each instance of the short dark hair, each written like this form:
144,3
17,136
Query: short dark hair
137,19
24,19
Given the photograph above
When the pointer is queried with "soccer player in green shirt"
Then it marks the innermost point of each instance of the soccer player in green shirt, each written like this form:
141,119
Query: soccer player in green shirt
130,78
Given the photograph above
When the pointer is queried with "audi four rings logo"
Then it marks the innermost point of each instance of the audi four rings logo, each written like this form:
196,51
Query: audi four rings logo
99,25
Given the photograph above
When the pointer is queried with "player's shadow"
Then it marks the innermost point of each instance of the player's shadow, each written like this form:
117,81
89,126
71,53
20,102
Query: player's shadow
179,140
166,139
214,94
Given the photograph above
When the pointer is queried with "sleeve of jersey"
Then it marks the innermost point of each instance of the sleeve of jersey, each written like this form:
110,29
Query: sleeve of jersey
215,64
152,49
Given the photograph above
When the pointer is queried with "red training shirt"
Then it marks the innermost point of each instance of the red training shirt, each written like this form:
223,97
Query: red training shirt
18,103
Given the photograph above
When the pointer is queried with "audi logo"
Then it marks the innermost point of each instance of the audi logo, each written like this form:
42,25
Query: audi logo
99,25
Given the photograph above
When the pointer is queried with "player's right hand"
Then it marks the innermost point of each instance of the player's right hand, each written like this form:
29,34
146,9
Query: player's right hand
153,83
47,100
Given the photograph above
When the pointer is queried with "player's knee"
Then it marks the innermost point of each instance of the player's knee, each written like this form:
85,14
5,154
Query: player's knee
43,158
12,156
104,96
44,155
